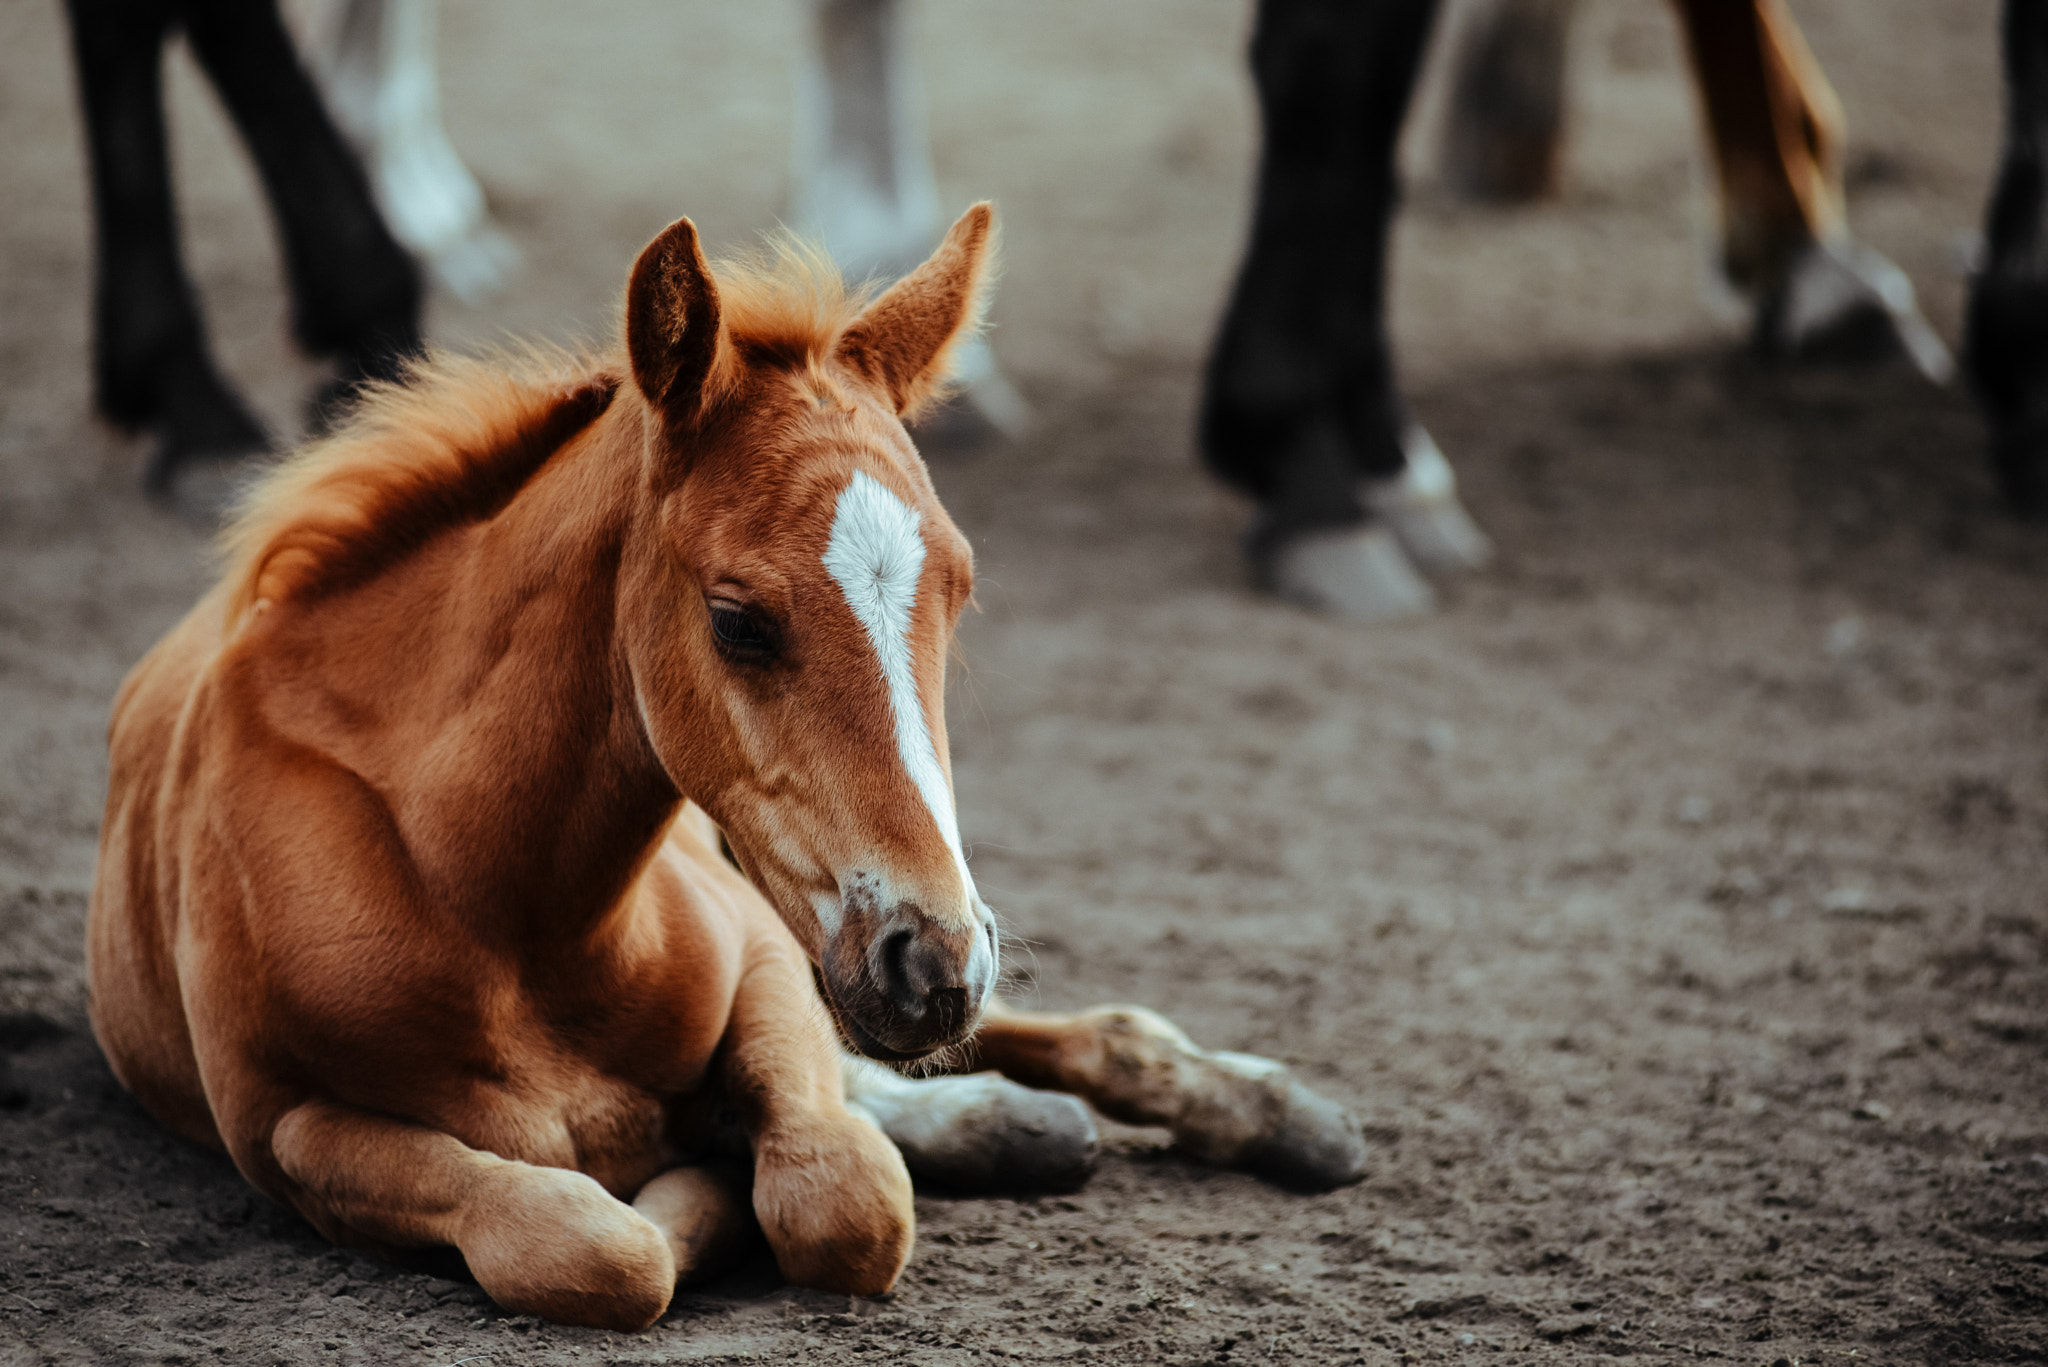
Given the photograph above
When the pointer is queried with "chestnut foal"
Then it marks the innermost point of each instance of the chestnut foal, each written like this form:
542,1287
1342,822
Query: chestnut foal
411,894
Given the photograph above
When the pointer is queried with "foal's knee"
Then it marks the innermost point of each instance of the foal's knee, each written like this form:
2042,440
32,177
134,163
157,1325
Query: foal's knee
834,1202
553,1243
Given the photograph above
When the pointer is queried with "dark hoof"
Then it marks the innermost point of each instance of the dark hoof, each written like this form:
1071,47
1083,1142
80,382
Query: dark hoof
196,414
330,406
205,441
1252,1114
333,401
1314,1144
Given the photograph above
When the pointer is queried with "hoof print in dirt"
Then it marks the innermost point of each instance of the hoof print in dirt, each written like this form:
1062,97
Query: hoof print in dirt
1259,1118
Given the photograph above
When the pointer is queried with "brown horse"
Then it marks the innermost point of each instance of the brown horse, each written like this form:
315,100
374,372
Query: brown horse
411,894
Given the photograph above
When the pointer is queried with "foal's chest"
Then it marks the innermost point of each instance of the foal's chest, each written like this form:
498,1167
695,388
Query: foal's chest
565,1111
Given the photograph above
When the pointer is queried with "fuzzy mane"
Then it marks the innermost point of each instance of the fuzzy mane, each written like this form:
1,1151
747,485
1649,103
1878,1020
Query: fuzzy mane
788,304
458,437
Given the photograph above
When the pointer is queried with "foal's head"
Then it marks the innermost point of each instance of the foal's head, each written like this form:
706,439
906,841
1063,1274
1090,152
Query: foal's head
787,605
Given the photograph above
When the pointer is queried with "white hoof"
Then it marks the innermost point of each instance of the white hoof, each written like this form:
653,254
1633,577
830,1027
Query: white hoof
1357,573
1420,506
1833,287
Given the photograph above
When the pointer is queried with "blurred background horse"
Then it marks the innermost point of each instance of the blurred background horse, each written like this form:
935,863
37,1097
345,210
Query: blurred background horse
1302,410
355,292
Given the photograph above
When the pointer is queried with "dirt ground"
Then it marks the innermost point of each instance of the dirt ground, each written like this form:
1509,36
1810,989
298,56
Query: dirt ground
1671,907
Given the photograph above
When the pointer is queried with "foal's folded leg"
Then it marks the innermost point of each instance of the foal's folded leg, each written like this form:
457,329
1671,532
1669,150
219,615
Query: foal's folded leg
830,1191
543,1241
979,1133
702,1214
1134,1065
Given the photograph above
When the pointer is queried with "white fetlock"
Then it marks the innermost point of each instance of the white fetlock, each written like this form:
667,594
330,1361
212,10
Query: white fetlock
1420,506
384,87
1356,573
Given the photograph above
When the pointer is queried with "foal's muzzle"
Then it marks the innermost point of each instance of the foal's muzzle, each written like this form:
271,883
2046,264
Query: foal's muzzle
902,985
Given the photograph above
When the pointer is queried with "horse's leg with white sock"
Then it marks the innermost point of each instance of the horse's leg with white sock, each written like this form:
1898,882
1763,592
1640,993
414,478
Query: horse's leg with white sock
977,1133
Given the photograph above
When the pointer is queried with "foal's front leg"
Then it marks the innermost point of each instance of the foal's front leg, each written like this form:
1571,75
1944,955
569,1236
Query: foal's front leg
539,1240
1134,1065
830,1191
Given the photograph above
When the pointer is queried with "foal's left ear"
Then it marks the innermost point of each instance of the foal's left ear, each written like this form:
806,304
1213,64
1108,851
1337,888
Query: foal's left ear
902,340
672,322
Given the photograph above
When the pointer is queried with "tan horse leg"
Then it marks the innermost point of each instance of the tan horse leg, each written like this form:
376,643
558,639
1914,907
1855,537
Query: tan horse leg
1134,1065
830,1191
1777,132
543,1241
701,1215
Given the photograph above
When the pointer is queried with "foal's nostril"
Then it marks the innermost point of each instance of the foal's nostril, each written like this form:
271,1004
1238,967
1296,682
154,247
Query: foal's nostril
895,972
913,985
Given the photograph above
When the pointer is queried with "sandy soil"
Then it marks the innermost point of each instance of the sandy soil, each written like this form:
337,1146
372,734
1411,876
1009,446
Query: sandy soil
1671,907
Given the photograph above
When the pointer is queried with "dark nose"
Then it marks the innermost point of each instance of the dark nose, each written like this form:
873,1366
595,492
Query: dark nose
917,985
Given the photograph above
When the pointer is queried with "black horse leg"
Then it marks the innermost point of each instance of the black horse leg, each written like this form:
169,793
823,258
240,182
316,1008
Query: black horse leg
151,367
2006,336
1300,399
355,293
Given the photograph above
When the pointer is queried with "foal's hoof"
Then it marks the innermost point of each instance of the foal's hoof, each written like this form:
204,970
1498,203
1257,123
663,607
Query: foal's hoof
1358,573
983,1133
1420,506
1257,1117
1842,300
1315,1144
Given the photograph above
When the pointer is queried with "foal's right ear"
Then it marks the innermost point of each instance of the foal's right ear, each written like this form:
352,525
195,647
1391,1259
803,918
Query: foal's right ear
672,326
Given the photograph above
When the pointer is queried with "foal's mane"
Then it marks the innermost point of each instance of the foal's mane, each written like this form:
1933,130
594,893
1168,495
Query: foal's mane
458,436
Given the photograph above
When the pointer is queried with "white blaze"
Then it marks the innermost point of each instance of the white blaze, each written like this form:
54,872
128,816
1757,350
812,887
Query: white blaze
876,555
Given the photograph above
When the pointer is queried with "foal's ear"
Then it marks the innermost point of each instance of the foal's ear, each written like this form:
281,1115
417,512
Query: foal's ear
902,339
672,328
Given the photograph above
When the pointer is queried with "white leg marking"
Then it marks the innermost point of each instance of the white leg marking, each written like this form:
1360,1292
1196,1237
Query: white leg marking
876,555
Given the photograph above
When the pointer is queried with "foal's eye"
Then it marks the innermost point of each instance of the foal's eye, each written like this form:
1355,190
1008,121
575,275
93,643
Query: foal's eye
741,634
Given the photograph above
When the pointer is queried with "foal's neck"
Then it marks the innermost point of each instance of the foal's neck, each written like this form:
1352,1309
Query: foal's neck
513,755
